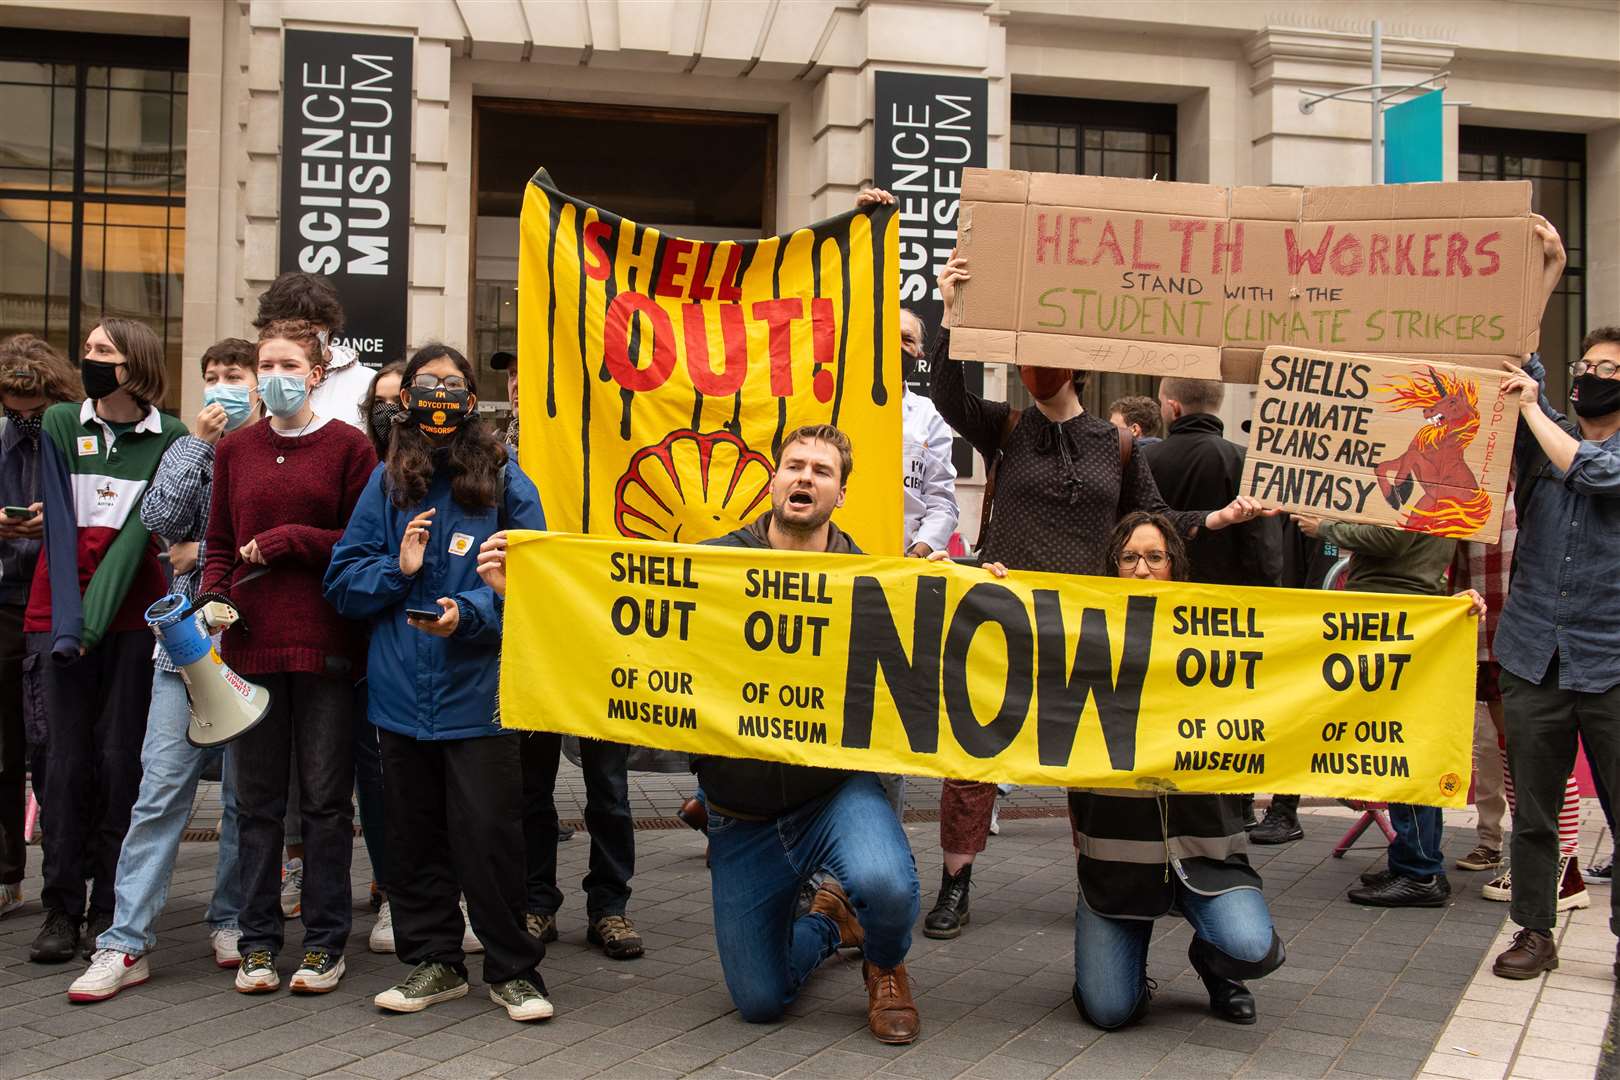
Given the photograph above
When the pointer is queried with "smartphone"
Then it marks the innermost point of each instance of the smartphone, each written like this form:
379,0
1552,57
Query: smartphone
424,614
18,513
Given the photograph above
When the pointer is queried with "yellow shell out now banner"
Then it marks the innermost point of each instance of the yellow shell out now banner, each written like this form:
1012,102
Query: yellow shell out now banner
933,669
657,376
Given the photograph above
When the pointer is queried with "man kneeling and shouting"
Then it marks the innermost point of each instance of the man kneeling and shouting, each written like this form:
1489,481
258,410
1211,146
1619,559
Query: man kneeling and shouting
772,826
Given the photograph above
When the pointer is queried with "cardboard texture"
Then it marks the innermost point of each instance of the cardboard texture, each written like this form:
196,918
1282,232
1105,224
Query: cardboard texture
1401,443
1061,263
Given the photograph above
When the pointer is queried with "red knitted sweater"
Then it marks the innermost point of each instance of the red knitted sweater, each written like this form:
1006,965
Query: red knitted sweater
294,497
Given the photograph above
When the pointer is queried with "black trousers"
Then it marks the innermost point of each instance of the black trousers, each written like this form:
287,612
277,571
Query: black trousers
1542,723
308,712
95,709
13,747
454,805
607,818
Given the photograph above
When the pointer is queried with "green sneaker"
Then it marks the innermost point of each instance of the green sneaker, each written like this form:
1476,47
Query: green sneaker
429,984
521,999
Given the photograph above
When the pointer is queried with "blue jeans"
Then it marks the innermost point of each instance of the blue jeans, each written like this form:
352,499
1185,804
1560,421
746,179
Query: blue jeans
1415,851
170,768
1110,955
757,867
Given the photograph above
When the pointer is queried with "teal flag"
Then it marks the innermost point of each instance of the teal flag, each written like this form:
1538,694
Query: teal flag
1413,137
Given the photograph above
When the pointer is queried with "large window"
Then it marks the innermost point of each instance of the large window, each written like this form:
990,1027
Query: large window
92,185
1555,165
1093,138
704,175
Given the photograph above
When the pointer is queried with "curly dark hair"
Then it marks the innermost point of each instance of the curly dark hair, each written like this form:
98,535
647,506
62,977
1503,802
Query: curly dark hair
1173,544
475,456
29,367
296,295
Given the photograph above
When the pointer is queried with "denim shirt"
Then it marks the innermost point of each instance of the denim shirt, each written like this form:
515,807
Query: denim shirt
1565,595
19,486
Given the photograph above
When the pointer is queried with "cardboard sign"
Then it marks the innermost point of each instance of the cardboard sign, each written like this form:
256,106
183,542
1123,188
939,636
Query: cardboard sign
1157,278
1401,443
934,669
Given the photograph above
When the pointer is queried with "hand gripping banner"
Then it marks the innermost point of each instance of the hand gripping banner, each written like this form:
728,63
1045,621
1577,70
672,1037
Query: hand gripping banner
933,669
657,376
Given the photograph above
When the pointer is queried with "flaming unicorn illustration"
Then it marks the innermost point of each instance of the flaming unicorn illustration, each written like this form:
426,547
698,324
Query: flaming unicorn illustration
1453,502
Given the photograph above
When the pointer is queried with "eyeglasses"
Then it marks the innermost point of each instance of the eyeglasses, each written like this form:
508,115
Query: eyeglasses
1154,559
1603,369
433,382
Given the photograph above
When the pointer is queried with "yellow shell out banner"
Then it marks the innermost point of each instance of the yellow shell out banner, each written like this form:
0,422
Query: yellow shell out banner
933,669
657,376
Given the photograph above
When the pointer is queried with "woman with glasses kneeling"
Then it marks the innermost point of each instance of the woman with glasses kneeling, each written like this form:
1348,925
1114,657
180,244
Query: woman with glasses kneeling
1144,854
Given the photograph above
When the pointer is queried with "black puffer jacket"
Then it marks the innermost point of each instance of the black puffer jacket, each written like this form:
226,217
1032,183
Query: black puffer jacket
762,790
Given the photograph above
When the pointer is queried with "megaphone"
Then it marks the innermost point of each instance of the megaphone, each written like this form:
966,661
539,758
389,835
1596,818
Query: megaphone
224,706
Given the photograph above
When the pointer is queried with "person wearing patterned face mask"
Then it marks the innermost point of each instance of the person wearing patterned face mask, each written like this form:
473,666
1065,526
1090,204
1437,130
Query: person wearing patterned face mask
33,377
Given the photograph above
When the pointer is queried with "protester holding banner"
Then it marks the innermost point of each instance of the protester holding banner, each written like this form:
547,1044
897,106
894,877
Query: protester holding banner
283,491
176,508
33,377
86,625
1143,854
452,779
1060,480
1555,642
1412,563
772,825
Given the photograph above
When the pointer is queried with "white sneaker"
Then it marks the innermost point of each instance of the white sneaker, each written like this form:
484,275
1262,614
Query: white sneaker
224,940
469,940
292,888
11,898
257,973
109,972
318,974
382,932
1500,888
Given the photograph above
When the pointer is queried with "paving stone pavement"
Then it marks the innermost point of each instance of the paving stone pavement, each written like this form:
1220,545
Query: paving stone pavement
1364,992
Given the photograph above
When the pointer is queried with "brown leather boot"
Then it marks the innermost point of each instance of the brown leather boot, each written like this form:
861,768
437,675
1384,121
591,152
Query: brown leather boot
890,1011
831,901
1532,952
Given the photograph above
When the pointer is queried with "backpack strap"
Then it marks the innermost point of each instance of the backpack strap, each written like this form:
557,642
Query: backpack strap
1007,426
1127,446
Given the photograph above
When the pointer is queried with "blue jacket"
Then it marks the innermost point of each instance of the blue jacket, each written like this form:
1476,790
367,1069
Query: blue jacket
423,686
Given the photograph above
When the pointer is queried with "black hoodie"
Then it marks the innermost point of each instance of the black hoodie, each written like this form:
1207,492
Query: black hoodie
762,790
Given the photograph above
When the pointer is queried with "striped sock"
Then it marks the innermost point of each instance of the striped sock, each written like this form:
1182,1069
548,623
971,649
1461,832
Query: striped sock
1569,815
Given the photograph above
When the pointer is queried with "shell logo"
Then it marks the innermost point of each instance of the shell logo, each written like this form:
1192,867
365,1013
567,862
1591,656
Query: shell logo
439,417
690,487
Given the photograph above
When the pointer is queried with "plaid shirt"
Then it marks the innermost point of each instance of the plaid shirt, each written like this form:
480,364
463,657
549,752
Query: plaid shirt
176,508
1485,568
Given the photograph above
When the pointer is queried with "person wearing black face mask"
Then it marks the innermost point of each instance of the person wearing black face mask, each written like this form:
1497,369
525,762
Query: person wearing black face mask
1560,672
452,778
